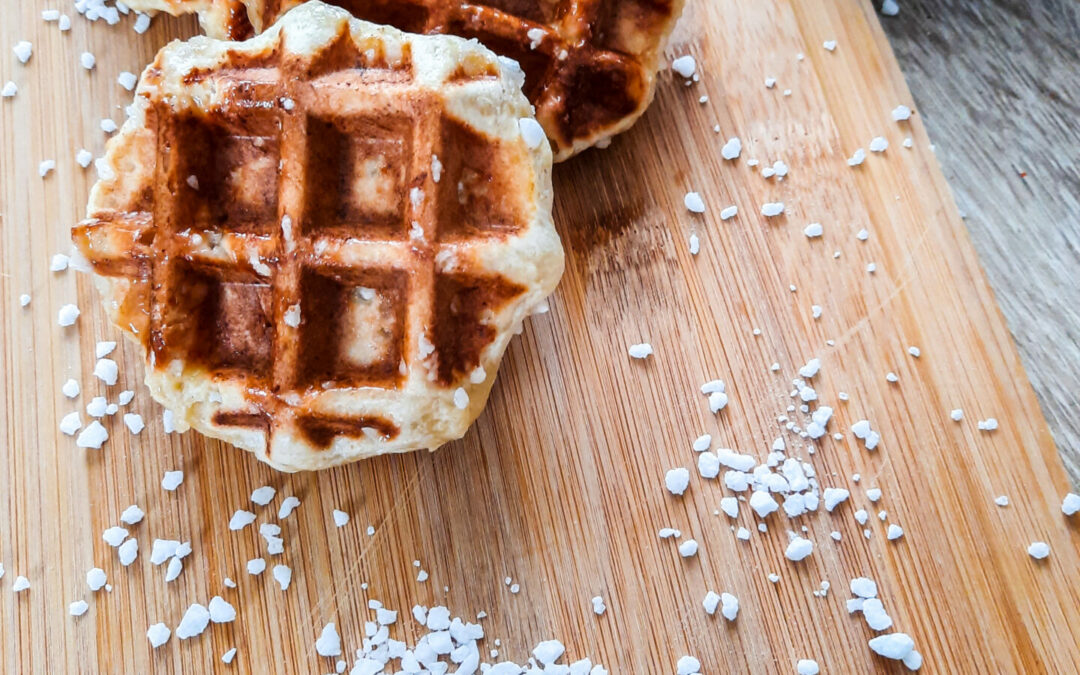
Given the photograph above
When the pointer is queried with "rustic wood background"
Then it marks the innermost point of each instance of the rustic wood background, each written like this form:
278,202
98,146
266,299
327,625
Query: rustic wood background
559,485
996,84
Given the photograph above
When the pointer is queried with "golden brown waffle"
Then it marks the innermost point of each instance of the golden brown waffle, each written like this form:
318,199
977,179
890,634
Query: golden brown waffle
590,65
324,237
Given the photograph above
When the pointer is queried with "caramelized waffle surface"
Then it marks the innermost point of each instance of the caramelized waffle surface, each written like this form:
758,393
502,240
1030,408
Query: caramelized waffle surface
324,237
590,65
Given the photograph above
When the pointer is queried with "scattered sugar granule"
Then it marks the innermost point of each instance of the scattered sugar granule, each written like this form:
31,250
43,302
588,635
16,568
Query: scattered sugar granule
24,300
694,203
1001,500
46,166
876,616
97,407
134,422
194,622
688,548
729,606
807,667
718,400
772,209
128,551
676,480
23,51
173,569
83,158
957,414
548,652
989,424
228,656
70,424
172,480
711,602
64,22
531,132
241,519
1039,550
288,505
863,587
220,610
873,494
256,566
158,634
598,605
708,465
914,351
901,113
461,398
890,8
9,90
21,584
87,60
108,125
702,443
732,149
833,497
93,436
858,158
763,503
132,515
640,351
729,212
892,646
328,642
1070,505
878,144
770,82
730,506
894,532
67,315
59,263
114,536
127,80
228,582
687,665
829,45
78,608
908,142
685,66
283,575
871,268
340,518
95,579
142,23
798,549
814,230
892,377
71,388
263,495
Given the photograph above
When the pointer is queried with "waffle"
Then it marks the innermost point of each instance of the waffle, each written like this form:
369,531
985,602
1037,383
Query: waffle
324,237
590,65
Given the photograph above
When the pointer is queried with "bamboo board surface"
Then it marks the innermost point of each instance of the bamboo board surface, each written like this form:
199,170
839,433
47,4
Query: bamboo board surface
560,483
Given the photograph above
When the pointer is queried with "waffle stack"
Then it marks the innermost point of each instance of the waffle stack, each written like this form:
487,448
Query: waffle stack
324,237
590,65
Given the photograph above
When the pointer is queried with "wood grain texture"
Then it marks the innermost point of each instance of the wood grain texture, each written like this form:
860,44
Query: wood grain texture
995,83
560,483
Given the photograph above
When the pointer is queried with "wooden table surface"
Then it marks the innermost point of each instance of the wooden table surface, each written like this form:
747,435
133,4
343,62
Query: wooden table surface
560,484
996,84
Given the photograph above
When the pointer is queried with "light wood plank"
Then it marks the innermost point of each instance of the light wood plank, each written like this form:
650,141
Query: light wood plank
560,484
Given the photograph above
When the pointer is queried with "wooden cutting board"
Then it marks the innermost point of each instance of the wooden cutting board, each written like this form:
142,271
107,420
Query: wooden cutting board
560,484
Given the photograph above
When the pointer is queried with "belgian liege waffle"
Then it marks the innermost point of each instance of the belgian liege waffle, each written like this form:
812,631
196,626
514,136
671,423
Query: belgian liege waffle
590,65
325,236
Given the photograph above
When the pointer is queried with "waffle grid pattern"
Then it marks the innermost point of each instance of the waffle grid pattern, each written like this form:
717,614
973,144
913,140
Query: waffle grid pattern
256,245
589,64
